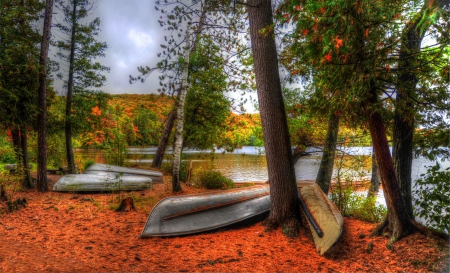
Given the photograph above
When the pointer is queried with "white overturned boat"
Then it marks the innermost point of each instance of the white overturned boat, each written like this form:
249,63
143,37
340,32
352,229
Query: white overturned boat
102,181
181,215
156,176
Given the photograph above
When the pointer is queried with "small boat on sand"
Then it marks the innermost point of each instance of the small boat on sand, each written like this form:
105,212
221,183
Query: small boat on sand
156,176
103,181
182,215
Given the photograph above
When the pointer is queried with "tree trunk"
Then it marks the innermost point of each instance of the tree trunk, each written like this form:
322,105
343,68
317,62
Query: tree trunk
42,183
329,150
15,134
178,144
283,188
375,177
160,152
404,112
68,127
397,221
26,181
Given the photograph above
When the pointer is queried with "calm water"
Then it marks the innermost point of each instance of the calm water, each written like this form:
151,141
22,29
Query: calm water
249,163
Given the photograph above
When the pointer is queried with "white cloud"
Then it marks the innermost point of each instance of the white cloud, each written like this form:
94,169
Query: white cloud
140,39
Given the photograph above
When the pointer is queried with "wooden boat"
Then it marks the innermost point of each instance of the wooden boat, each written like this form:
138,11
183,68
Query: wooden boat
102,181
156,176
181,215
328,222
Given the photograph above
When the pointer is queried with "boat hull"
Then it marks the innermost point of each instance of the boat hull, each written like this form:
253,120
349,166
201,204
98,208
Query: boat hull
182,215
326,215
102,182
95,168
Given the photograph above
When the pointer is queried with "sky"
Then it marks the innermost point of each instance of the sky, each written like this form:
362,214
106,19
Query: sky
132,32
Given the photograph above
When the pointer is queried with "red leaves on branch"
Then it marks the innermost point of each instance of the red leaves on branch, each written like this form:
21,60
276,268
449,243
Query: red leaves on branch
338,42
328,57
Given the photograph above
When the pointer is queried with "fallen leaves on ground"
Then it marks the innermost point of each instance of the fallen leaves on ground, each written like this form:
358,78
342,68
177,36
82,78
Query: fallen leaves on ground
68,232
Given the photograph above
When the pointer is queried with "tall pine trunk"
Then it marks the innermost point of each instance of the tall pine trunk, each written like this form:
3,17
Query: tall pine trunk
42,183
68,126
283,188
404,112
329,150
398,221
178,144
15,134
26,181
161,150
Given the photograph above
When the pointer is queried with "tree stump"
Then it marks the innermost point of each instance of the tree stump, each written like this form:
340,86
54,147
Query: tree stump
127,204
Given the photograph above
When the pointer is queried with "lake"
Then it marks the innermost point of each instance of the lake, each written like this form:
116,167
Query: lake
249,163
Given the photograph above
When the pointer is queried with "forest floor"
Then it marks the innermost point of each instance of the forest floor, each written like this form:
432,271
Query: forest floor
68,232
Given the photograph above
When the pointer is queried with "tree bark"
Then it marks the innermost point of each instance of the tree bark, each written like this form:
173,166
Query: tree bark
42,183
26,181
15,134
404,112
397,221
161,150
68,127
283,188
375,177
178,144
329,150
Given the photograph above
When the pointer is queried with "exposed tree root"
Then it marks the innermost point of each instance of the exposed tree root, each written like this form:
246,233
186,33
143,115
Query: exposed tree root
291,227
395,233
270,225
127,204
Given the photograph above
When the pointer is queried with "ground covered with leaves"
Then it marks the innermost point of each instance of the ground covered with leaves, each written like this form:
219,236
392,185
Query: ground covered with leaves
68,232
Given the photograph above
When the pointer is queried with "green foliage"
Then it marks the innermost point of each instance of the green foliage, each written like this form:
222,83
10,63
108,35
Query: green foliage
212,179
433,199
167,168
7,154
88,163
351,203
19,62
207,108
117,148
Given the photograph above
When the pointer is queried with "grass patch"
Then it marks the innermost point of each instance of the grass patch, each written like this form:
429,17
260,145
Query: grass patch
352,203
211,179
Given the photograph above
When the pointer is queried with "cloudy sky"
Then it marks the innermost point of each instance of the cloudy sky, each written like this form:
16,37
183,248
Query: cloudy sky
132,32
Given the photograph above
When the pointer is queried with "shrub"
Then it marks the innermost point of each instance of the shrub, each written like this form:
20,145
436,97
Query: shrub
88,163
7,154
211,179
167,168
433,200
351,203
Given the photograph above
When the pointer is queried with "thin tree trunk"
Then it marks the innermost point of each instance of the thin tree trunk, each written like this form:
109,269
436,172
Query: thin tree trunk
329,150
68,127
397,221
161,150
404,112
42,183
375,177
178,144
283,188
26,181
15,134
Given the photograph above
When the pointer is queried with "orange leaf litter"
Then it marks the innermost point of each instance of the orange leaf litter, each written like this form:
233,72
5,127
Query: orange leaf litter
67,232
